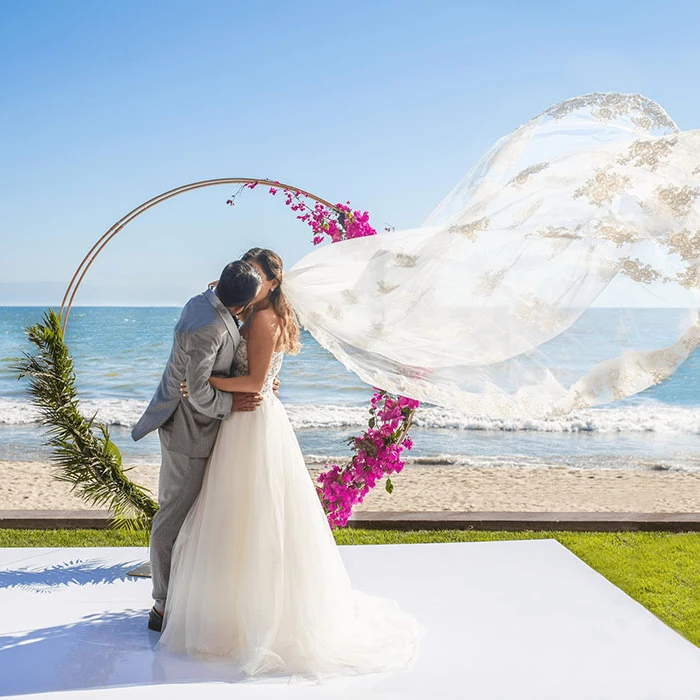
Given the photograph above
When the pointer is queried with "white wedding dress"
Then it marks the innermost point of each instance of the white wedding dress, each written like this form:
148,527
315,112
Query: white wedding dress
257,579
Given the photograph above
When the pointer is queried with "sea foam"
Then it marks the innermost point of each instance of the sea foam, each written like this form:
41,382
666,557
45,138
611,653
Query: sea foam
651,417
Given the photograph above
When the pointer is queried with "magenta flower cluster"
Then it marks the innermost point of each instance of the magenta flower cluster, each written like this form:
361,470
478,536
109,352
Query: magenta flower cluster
337,224
377,456
377,452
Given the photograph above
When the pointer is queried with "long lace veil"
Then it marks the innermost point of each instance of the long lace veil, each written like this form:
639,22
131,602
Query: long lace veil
486,307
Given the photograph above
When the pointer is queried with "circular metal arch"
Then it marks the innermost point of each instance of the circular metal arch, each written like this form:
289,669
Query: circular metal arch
108,235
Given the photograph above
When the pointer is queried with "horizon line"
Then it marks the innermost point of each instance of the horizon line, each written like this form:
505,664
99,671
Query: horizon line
179,306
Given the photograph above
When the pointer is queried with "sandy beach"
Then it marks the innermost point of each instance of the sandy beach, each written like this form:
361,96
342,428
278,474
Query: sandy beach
30,486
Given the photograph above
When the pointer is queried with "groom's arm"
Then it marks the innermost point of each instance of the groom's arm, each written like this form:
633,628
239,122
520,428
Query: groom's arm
202,347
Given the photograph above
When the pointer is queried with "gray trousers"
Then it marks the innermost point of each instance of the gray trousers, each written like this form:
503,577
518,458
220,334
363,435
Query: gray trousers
179,483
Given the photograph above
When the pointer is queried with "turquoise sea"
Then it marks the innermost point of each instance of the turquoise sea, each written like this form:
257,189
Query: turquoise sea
120,353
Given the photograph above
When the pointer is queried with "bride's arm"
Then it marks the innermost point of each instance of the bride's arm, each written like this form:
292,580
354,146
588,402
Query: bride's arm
262,340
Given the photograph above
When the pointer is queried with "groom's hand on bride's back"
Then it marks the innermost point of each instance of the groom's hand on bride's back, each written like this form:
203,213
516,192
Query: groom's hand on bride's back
245,402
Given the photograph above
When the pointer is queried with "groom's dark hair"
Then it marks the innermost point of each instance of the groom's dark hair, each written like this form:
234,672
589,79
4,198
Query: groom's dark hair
238,284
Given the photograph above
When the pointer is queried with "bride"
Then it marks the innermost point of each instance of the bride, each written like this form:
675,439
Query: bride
256,576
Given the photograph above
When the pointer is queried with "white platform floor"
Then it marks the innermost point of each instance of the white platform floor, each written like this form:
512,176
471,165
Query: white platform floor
507,621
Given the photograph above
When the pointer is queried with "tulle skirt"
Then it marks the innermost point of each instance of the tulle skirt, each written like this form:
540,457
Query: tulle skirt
257,579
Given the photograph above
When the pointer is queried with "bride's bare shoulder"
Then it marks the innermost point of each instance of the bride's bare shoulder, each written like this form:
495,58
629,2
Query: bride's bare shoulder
264,322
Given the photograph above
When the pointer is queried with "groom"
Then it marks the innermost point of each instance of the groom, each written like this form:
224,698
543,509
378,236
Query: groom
204,344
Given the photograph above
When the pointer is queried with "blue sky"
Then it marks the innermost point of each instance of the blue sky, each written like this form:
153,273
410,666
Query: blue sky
387,104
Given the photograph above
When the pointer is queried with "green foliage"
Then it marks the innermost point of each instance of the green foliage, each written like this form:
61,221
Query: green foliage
73,538
82,451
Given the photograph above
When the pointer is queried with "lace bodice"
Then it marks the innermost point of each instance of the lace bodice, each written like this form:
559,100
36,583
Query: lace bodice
240,365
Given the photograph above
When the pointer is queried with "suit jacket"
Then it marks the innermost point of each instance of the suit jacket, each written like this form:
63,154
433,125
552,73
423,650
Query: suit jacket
204,344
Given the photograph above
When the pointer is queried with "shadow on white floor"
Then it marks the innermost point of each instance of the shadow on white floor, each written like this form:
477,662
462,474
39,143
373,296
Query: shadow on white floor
507,621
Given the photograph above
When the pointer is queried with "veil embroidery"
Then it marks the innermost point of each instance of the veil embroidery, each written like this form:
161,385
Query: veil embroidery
485,307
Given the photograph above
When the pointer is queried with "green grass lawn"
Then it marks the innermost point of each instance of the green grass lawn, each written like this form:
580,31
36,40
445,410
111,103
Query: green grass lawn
660,570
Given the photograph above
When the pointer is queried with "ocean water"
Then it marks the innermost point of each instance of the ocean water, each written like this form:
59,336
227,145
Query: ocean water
120,353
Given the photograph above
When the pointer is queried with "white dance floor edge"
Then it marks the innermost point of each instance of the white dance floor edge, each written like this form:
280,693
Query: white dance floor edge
520,620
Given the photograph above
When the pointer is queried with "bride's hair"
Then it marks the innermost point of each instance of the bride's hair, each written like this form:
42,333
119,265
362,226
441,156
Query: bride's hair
273,269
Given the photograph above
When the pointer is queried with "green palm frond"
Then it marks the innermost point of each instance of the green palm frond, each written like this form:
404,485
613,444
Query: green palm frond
82,451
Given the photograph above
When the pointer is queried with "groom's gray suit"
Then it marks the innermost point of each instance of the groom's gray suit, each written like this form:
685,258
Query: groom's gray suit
204,344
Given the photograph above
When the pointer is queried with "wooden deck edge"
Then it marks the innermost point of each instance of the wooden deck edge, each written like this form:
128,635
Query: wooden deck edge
55,519
577,521
438,520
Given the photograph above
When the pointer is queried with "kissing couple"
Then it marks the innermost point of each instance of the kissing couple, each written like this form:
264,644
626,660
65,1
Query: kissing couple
245,567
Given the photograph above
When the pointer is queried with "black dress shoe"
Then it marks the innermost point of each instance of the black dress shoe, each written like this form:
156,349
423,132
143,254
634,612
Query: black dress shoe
155,620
